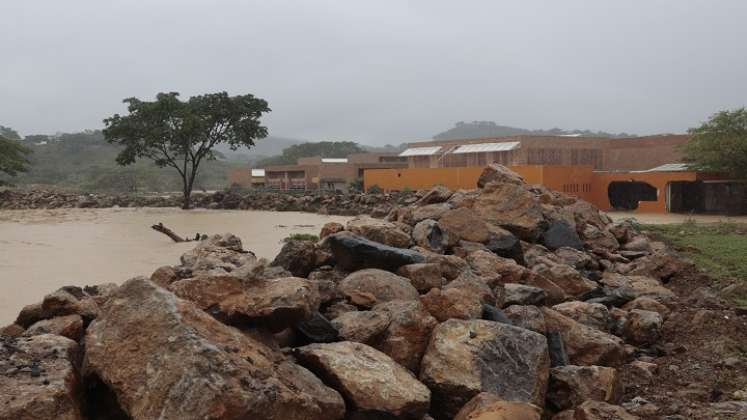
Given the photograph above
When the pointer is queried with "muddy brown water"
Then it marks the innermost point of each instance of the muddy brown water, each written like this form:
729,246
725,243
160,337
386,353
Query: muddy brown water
42,250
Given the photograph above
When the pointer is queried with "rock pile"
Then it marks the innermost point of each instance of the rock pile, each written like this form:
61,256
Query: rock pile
507,302
327,203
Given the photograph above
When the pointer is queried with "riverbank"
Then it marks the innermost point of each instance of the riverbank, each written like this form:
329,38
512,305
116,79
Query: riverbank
344,204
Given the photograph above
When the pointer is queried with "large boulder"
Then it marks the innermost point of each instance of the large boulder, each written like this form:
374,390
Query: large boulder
642,327
429,235
379,230
424,276
330,228
572,385
437,194
452,303
567,278
498,173
154,350
521,294
38,379
594,315
371,286
487,406
512,207
299,257
362,326
465,358
527,316
561,234
464,224
219,254
70,326
600,410
430,211
353,252
276,304
369,380
585,345
406,337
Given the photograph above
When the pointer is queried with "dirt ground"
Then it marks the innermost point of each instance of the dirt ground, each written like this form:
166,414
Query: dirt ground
663,218
701,358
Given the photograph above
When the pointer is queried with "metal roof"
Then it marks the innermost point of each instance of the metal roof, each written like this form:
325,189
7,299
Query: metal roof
487,147
670,167
258,172
334,160
421,151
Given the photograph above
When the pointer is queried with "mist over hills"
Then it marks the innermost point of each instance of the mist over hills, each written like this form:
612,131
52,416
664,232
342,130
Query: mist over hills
476,129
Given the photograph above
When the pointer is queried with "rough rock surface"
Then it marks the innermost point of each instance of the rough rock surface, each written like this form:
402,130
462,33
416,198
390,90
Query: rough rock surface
146,329
362,326
585,345
369,380
371,286
406,337
70,326
38,378
380,231
487,406
354,253
452,303
465,358
572,385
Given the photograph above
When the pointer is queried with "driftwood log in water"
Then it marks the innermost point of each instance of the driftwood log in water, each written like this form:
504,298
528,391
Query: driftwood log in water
170,233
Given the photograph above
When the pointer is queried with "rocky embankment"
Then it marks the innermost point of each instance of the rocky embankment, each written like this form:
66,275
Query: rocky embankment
508,302
329,203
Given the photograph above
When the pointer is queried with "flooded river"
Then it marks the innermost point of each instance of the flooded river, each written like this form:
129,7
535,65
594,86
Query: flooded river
42,250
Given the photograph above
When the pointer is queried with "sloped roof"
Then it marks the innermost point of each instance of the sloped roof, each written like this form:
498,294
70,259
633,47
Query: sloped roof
487,147
334,160
670,167
421,151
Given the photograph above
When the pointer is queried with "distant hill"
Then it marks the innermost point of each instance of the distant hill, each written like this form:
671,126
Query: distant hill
268,146
475,129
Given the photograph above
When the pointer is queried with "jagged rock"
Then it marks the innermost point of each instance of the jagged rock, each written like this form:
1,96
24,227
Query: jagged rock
520,294
380,231
572,385
585,345
258,270
369,380
362,326
487,264
145,328
512,207
598,410
573,257
276,304
464,224
371,286
354,253
528,317
430,211
498,173
429,235
406,337
557,350
12,330
561,234
567,278
38,379
465,358
451,266
424,276
594,315
487,406
452,303
505,244
164,276
475,286
330,228
338,308
70,326
638,243
660,265
299,257
219,254
598,238
464,248
491,313
647,304
437,194
642,327
317,329
642,286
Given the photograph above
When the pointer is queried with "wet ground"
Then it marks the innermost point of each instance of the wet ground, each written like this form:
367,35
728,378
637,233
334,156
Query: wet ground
663,218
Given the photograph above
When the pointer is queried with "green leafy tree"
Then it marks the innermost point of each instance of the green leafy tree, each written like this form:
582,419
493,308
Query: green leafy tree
13,157
720,144
182,134
9,133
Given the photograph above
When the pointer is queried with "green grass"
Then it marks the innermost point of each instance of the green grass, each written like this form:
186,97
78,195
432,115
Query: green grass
720,249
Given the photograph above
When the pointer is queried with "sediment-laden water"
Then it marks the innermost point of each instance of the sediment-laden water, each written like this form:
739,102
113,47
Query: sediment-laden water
42,250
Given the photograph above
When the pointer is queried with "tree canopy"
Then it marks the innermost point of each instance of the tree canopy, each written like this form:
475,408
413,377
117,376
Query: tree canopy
9,133
326,149
182,134
720,144
13,157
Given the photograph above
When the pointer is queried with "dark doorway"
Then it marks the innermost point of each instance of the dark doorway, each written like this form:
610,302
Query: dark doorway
685,197
625,195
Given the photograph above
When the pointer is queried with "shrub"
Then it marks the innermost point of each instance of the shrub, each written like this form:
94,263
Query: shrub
375,189
301,237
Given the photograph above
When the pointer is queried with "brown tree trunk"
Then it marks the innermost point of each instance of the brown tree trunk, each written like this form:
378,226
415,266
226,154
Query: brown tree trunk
168,232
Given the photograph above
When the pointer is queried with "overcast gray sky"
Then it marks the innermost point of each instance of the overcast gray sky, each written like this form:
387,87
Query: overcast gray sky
382,71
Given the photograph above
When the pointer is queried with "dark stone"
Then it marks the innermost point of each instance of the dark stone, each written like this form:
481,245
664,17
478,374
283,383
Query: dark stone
297,256
354,253
318,329
556,348
595,293
491,313
507,246
561,234
614,297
